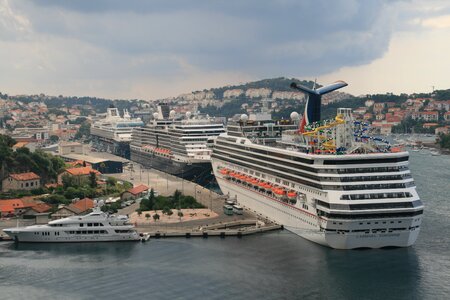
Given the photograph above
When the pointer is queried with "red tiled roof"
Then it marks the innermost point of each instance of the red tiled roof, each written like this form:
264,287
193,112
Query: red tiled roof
138,189
83,204
78,163
8,206
41,207
81,171
25,176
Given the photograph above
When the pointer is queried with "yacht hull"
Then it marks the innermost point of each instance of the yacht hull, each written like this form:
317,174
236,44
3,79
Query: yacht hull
60,237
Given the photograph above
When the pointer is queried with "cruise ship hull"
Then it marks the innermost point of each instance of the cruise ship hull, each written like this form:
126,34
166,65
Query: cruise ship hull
199,172
104,144
311,227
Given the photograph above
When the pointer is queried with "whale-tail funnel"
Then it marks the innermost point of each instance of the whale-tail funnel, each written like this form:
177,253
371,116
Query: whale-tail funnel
314,100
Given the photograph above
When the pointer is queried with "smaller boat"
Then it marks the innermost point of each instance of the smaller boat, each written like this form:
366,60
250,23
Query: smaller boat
97,226
435,153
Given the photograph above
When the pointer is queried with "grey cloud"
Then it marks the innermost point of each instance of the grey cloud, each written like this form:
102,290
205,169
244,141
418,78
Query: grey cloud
259,38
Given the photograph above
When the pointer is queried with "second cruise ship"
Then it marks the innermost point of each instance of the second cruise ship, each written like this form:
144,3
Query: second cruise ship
113,133
328,181
177,146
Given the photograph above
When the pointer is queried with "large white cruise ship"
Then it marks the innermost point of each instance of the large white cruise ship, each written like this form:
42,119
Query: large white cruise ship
94,227
328,181
177,146
113,133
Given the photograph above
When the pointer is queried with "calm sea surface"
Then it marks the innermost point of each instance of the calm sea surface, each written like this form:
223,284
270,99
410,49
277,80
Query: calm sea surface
277,265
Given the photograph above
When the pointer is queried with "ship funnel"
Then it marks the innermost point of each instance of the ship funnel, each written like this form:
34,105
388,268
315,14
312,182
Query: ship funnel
314,100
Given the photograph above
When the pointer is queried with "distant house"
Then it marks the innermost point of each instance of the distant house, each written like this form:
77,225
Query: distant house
13,207
79,207
8,207
442,130
430,125
21,181
65,211
70,147
37,210
80,174
84,205
425,115
135,193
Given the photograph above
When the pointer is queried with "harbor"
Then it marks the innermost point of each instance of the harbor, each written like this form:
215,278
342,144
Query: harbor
208,222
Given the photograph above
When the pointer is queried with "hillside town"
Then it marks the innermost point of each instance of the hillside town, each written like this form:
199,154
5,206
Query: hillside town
57,130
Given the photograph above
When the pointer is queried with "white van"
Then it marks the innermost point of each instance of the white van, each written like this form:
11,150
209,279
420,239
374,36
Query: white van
238,210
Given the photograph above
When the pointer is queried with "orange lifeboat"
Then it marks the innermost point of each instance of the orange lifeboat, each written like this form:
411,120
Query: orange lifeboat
278,192
225,173
292,195
255,182
268,186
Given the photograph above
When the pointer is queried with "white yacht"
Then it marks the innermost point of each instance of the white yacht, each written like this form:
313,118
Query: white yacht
328,181
94,227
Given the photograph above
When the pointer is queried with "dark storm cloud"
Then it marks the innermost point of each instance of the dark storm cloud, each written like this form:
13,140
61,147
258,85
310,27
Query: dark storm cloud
262,38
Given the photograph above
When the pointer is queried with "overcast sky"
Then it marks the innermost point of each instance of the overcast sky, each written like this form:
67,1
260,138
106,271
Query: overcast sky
154,49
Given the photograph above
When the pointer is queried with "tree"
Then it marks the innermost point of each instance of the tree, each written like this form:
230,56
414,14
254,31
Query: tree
169,213
155,217
54,139
71,193
92,180
139,212
68,181
83,131
166,210
180,214
147,216
111,181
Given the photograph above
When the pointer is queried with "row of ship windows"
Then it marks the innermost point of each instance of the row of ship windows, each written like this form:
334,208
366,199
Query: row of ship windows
369,216
366,170
88,232
308,176
376,196
370,186
310,161
227,158
382,230
80,224
412,204
226,149
44,233
369,223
